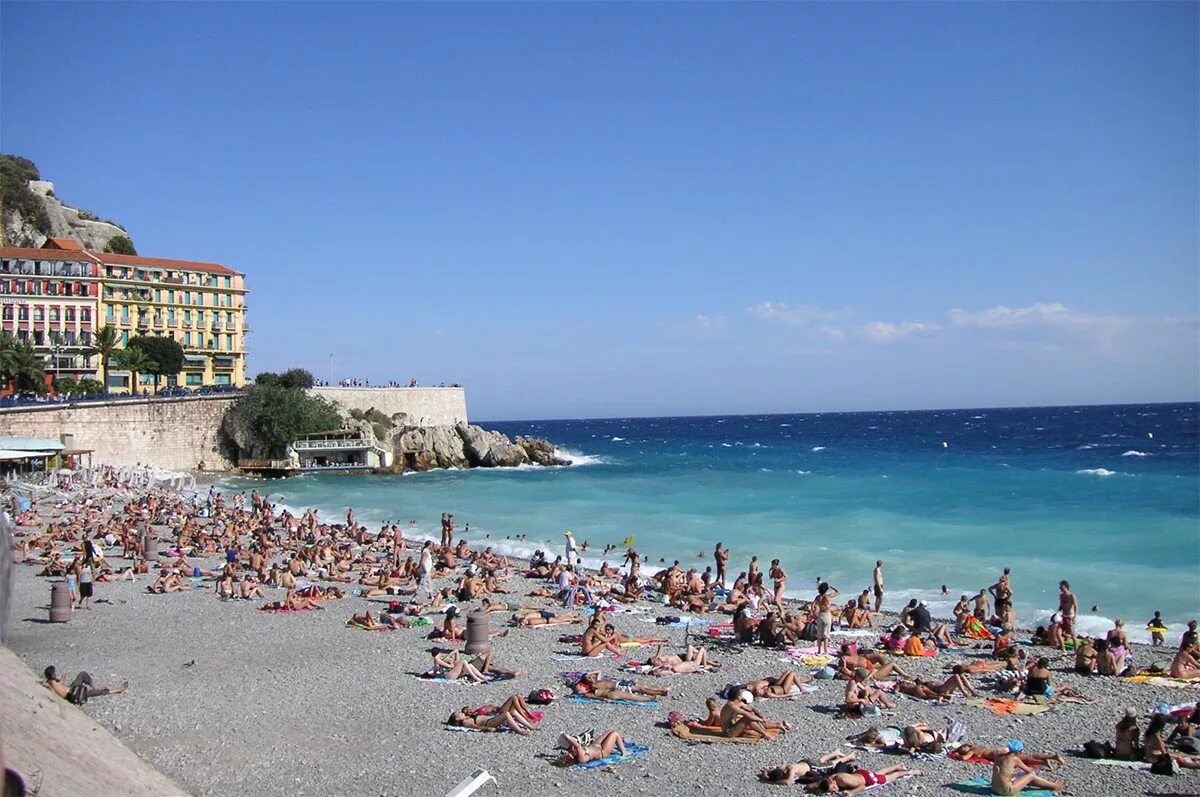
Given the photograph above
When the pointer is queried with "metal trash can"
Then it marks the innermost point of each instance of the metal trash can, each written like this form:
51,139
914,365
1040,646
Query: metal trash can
60,602
478,634
151,546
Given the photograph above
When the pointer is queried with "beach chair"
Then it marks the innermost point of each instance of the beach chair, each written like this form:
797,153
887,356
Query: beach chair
473,783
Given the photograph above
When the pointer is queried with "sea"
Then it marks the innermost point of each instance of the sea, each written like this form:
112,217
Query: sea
1107,497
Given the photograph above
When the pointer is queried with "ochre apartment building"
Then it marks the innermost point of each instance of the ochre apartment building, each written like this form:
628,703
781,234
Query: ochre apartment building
56,298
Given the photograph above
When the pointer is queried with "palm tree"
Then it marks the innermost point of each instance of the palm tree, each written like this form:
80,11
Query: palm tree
19,363
135,361
106,343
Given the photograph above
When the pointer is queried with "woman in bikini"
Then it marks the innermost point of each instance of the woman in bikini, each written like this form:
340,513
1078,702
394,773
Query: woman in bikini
602,747
786,684
466,717
598,688
927,690
805,772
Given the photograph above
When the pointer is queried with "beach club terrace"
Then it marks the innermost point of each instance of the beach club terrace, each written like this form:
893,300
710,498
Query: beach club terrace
337,451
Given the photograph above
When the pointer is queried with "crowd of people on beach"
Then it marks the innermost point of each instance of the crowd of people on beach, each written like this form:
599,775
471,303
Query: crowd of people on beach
97,536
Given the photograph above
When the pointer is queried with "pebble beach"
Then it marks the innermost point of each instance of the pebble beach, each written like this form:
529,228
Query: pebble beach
226,699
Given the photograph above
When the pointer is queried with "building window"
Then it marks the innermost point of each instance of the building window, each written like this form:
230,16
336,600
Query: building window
171,316
221,379
229,282
194,379
54,315
187,338
85,314
38,314
69,314
125,337
124,314
8,312
23,313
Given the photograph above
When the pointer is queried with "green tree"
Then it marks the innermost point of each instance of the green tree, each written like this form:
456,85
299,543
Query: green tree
297,378
266,378
120,245
106,342
267,418
166,353
137,362
17,197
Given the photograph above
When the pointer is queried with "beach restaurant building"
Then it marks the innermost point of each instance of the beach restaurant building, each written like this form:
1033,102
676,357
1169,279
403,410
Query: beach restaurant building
56,297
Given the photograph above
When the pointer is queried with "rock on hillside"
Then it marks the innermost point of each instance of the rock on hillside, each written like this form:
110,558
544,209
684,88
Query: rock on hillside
65,222
467,446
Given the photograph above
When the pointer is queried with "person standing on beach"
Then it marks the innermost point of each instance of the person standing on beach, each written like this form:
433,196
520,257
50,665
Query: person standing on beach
425,570
721,555
1068,607
572,550
752,571
877,579
447,530
779,576
822,604
981,606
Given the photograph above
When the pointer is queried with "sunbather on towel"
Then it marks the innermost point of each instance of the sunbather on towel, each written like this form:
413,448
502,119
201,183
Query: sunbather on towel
593,685
385,621
596,640
853,783
928,690
602,747
1006,781
1185,665
293,603
528,618
874,663
993,754
786,684
809,771
515,705
693,660
467,718
738,716
450,664
168,581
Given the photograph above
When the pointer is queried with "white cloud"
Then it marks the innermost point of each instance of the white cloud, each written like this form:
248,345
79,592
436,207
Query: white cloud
710,321
800,315
884,332
1001,316
832,333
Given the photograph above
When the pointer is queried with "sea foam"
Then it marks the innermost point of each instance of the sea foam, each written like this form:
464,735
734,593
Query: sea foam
1103,472
1132,453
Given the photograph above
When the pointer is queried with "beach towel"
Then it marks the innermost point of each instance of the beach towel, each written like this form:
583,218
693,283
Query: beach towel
974,629
695,733
1140,766
1001,706
585,699
632,751
364,627
284,611
1163,680
577,657
983,785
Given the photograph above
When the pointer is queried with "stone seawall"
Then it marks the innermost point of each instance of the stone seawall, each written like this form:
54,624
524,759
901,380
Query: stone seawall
173,434
425,406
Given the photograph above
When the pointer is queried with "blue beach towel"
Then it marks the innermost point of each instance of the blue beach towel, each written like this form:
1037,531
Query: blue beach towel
983,785
647,704
632,752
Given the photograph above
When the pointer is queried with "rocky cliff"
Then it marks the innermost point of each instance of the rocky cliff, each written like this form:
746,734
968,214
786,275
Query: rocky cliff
467,446
62,221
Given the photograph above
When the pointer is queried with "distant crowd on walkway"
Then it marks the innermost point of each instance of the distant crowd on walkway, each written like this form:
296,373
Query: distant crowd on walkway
367,383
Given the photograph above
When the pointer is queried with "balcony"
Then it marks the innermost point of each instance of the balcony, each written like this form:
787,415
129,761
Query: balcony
231,325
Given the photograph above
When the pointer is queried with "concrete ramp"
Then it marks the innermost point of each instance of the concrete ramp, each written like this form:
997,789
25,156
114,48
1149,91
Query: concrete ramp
51,742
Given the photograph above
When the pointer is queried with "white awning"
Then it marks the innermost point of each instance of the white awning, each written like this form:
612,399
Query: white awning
8,453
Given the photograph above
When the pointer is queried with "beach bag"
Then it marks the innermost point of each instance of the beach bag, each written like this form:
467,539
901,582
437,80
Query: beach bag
541,697
810,632
825,673
913,647
78,694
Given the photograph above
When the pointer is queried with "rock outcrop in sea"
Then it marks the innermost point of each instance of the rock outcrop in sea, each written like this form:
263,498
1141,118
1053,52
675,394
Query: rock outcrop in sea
467,446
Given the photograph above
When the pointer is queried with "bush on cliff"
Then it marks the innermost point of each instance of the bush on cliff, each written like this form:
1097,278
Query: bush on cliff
293,377
120,245
268,417
16,195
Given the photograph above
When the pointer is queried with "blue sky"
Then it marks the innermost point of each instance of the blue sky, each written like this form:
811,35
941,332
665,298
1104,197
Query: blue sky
636,209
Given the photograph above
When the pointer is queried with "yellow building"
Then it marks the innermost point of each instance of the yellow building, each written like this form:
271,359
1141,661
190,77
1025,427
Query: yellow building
200,305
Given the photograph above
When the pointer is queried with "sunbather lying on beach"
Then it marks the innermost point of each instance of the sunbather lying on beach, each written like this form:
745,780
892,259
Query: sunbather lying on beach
80,689
510,715
365,620
602,747
292,603
450,665
529,618
874,663
597,687
1006,781
694,659
979,753
854,782
928,690
809,771
862,698
168,581
786,684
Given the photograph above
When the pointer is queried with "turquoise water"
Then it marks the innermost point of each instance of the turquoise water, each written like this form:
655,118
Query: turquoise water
1106,497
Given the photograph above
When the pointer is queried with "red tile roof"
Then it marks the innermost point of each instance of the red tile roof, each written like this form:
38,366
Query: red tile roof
108,258
63,243
159,262
76,256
